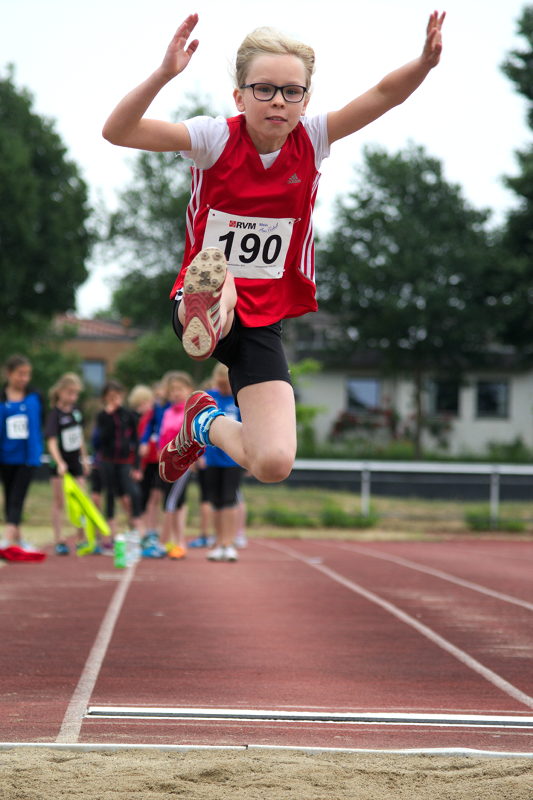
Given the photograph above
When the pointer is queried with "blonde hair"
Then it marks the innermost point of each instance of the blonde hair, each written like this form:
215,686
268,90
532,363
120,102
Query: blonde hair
269,41
66,380
175,375
220,371
140,394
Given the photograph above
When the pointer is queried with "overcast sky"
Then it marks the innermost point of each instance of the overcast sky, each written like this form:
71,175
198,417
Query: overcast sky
79,58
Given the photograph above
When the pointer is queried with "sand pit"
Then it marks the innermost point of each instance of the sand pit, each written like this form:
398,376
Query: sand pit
47,774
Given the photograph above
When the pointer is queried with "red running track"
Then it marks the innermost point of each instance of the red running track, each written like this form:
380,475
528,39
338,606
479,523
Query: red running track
296,626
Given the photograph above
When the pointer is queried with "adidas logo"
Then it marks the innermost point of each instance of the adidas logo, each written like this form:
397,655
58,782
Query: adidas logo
294,179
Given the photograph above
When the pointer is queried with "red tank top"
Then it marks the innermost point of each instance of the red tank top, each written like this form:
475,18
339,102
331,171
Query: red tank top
261,219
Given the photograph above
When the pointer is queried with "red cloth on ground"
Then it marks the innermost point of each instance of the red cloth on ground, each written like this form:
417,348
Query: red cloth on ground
16,553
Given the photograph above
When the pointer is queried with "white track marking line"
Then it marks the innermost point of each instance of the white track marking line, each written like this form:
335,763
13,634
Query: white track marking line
73,719
339,718
181,748
445,576
430,634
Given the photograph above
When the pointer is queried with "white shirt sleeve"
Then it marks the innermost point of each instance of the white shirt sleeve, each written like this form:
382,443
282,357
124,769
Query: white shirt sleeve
317,130
208,139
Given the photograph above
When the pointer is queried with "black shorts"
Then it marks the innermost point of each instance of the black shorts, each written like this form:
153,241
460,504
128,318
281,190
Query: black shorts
74,467
117,480
252,355
202,484
223,485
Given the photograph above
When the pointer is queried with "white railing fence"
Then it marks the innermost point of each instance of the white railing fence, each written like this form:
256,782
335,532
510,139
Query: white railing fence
364,469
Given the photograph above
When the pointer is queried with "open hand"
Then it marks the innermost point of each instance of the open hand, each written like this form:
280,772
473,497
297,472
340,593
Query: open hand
178,54
433,44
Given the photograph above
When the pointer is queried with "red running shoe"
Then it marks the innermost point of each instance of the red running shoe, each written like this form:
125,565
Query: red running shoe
202,288
178,455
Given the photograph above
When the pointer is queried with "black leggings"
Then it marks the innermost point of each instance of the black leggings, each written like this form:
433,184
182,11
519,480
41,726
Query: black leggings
16,479
175,494
116,479
148,482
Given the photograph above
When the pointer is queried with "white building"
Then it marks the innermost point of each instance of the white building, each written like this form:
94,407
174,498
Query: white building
480,407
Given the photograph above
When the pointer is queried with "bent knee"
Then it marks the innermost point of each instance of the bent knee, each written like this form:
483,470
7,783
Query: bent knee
272,467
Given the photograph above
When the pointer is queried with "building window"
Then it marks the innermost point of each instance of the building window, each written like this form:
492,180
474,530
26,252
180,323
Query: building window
364,394
94,374
493,399
444,397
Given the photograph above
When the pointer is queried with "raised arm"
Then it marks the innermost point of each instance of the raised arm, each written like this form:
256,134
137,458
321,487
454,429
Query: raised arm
392,90
127,125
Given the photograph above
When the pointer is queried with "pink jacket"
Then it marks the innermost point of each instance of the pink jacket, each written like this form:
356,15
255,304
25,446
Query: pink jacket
171,424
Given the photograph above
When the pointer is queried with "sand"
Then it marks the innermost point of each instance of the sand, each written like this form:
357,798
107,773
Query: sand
46,774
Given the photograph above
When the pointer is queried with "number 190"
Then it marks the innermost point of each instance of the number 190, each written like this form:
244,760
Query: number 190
250,247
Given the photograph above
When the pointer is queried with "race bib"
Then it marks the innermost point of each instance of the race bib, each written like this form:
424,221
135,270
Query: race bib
71,439
17,426
255,247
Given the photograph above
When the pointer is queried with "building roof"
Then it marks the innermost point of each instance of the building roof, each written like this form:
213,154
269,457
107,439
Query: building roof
99,328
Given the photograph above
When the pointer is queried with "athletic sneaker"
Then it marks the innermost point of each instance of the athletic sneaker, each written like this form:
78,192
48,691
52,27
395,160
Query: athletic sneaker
153,550
152,537
62,549
28,547
200,541
86,549
202,288
149,536
231,553
223,553
217,554
176,552
178,455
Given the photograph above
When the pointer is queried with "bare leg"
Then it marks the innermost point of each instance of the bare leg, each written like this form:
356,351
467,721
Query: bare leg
12,533
174,527
179,526
225,520
167,528
151,515
265,442
205,518
57,508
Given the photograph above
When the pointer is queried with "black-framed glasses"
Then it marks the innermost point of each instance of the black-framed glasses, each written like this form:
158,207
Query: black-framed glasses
291,92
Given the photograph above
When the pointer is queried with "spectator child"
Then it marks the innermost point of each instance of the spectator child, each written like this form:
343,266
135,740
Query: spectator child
141,400
21,441
223,476
64,439
178,387
118,450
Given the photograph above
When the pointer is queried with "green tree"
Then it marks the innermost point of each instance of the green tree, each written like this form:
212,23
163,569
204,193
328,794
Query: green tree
518,231
406,270
156,353
146,234
44,213
44,350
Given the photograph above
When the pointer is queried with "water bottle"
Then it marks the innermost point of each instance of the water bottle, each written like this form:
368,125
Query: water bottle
133,547
119,551
136,539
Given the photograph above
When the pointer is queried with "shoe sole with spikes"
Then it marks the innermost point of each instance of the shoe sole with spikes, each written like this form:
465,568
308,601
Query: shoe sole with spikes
202,289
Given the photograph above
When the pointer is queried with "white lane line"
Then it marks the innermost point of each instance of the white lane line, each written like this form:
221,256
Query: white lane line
437,573
73,719
430,634
345,717
181,748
